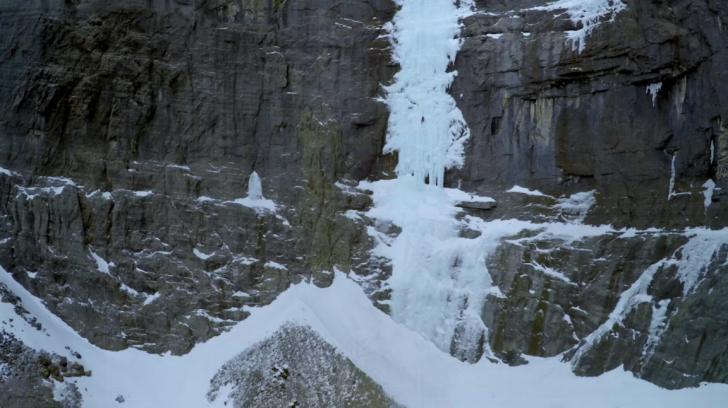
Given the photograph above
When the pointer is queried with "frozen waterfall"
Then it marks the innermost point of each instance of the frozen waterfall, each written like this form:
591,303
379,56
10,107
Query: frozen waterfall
426,128
439,280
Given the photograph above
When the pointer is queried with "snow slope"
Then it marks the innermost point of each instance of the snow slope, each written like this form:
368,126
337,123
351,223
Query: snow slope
411,369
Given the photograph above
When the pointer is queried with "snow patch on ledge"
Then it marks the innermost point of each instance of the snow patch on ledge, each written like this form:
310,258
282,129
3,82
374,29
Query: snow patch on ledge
7,172
275,265
151,299
577,206
257,204
142,194
101,264
456,195
551,272
206,199
201,255
523,190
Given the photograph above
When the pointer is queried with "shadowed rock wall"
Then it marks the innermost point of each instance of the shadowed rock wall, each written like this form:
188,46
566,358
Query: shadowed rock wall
154,114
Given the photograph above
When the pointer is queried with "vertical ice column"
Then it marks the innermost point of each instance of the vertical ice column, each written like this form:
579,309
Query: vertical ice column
439,280
426,128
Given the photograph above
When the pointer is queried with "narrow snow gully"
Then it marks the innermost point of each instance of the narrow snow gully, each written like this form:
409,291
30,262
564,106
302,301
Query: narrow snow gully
439,280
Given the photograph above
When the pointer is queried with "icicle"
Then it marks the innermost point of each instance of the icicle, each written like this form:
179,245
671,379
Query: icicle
653,90
709,188
671,188
673,177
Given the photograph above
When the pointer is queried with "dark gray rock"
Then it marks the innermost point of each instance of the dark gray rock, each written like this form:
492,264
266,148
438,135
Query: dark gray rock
556,294
544,116
477,205
183,100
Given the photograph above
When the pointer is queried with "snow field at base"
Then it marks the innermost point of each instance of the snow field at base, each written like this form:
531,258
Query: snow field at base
516,189
409,368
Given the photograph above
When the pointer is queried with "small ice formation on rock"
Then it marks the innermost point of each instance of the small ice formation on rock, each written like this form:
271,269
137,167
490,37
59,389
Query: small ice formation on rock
586,15
255,198
653,90
255,187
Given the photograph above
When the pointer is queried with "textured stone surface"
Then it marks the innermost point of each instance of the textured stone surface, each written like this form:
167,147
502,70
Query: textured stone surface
546,314
183,100
28,377
544,116
295,367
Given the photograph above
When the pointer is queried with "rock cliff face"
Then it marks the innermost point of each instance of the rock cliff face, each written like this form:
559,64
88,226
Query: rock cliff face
130,127
128,131
645,96
638,117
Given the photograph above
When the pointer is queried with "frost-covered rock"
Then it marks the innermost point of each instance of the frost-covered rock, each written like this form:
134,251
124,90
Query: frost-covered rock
33,379
295,367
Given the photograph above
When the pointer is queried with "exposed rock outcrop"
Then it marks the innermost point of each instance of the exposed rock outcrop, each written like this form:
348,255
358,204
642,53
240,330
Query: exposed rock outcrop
295,367
30,378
